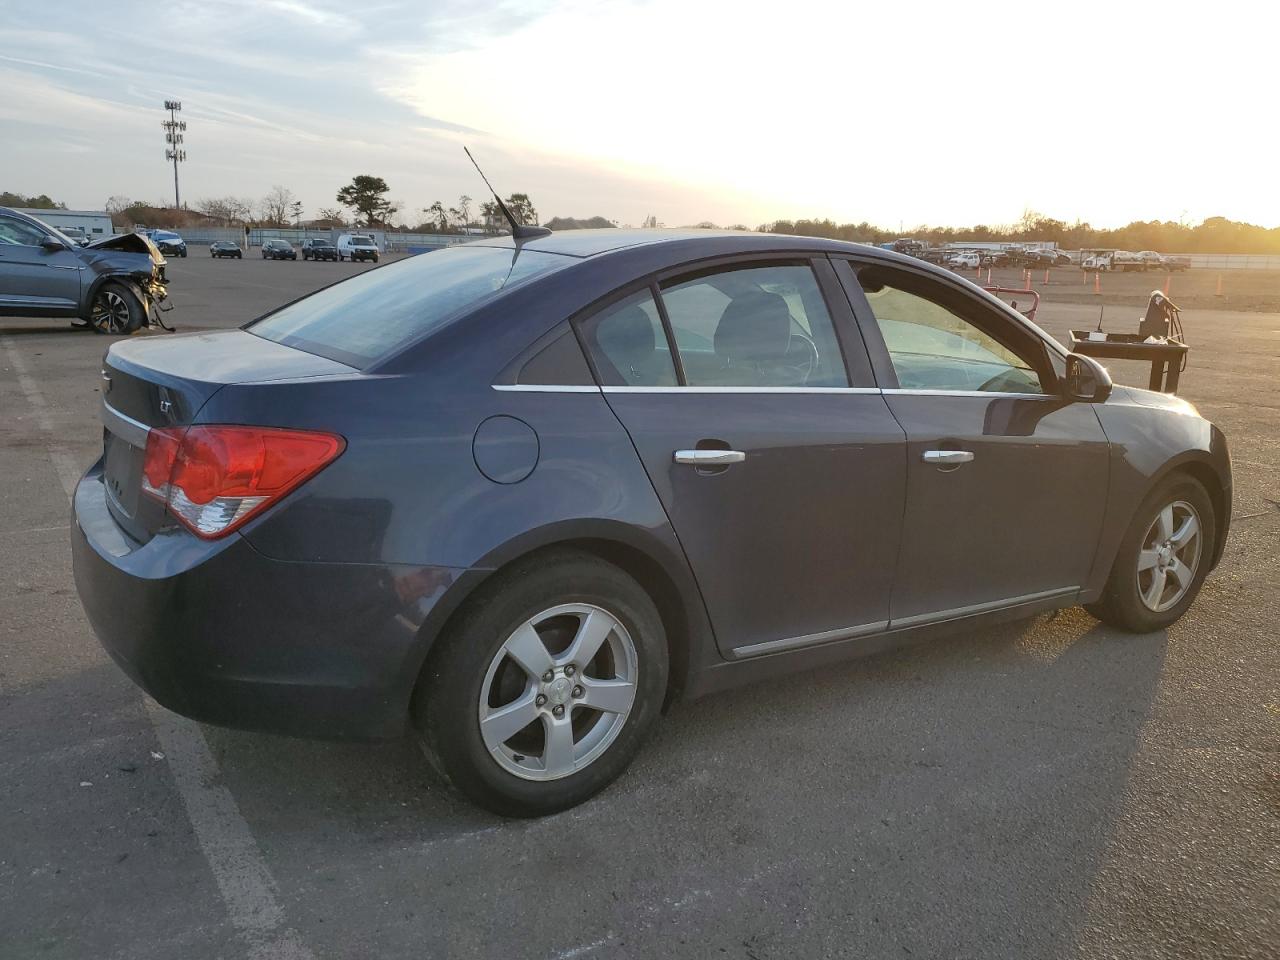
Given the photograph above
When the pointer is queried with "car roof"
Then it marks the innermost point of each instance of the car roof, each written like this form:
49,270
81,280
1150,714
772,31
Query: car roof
590,243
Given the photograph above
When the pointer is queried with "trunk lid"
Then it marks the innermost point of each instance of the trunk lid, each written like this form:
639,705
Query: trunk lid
163,382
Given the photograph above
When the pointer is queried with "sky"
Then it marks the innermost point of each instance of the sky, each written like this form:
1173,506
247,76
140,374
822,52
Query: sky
687,110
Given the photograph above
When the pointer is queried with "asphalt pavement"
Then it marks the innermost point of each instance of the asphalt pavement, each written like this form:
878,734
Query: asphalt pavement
1050,788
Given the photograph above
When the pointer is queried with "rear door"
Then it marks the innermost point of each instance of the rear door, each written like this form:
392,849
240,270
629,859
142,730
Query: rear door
1006,479
780,467
33,279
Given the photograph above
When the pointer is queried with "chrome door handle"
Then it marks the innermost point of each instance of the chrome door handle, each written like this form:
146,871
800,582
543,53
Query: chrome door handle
709,458
947,458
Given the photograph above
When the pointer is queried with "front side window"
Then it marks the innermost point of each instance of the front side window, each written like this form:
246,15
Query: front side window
628,344
18,233
754,326
933,347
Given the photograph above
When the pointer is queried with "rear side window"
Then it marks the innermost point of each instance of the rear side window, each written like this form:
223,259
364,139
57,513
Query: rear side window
361,319
628,344
754,326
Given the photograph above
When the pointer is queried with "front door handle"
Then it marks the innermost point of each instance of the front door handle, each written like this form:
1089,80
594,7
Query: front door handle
947,458
709,458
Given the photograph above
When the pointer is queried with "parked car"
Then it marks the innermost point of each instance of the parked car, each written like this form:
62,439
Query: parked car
225,248
514,496
75,234
319,249
1151,260
1177,264
964,261
170,243
278,250
109,285
357,246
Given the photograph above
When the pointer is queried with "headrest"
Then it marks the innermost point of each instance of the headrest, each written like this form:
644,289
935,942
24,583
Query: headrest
755,327
627,336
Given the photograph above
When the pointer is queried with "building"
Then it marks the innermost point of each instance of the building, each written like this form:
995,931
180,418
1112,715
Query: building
95,223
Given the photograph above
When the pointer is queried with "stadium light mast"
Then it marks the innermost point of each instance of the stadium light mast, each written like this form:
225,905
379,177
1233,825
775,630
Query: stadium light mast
173,130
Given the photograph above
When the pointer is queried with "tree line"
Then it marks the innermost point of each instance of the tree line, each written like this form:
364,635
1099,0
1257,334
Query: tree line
364,203
1214,235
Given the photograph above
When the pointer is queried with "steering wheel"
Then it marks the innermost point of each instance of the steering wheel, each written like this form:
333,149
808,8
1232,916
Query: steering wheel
801,356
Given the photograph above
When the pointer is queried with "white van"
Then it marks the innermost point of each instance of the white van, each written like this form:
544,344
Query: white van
357,246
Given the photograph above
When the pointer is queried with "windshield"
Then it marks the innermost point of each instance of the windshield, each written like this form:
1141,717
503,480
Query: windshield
321,243
361,319
361,242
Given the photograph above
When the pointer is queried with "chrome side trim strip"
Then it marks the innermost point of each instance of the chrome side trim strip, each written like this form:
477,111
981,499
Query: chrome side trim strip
789,643
126,428
974,609
938,616
988,394
542,388
741,389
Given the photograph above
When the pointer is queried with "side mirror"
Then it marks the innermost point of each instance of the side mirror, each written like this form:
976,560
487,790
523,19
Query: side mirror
1086,379
52,244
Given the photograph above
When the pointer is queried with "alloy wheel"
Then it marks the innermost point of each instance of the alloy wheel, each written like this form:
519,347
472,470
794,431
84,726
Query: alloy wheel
558,691
110,312
1169,557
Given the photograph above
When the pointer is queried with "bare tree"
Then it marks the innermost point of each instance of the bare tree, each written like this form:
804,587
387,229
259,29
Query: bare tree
333,215
275,206
464,210
118,204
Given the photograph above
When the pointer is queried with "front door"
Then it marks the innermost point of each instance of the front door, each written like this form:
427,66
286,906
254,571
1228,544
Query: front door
783,482
33,279
1006,479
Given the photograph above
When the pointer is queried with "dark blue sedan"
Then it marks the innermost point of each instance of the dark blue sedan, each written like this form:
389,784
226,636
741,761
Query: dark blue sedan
516,495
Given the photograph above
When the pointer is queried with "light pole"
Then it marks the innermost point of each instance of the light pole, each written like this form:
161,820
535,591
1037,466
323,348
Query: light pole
173,128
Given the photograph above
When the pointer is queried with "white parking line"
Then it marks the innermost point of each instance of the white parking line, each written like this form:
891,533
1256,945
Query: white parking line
239,869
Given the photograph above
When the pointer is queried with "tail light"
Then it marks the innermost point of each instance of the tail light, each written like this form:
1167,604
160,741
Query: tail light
213,479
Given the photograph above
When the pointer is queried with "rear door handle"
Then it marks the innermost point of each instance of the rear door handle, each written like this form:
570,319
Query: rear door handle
709,458
947,458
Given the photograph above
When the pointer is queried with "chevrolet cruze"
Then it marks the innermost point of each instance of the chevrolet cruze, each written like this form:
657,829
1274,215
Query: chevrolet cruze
515,495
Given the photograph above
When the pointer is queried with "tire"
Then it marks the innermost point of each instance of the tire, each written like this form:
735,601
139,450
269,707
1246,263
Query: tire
1127,599
183,254
540,605
115,310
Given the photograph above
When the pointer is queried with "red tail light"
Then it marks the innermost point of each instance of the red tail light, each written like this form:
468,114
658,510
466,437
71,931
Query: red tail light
215,478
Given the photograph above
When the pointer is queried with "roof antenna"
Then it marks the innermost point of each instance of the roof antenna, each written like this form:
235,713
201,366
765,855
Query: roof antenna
519,231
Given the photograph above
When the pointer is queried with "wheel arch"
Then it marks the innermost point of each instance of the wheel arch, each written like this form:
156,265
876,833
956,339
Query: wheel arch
659,570
1199,467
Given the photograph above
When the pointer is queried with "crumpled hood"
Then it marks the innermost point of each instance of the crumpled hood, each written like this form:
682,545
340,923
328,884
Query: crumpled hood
128,243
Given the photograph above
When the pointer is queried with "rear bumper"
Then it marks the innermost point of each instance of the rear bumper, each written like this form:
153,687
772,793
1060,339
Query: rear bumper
221,633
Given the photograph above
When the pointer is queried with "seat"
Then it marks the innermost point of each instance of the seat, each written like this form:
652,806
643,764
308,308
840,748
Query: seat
628,340
752,339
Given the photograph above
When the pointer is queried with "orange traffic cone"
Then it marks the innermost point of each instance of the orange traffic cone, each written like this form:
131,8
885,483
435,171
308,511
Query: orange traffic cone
1097,282
1046,277
1167,277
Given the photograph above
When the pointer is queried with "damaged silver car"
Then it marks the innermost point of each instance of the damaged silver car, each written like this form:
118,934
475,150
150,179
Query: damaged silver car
114,285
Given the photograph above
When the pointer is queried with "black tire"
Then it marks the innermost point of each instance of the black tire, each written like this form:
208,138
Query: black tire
446,713
1121,604
183,254
116,310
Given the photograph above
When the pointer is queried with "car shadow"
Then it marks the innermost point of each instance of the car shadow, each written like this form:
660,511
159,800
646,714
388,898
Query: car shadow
969,780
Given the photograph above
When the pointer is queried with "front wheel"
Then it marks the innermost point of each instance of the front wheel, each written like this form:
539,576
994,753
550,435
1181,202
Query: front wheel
115,310
1163,559
543,690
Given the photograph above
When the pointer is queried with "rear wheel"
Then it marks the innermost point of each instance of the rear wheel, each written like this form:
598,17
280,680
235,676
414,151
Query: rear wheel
115,310
541,693
1163,559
